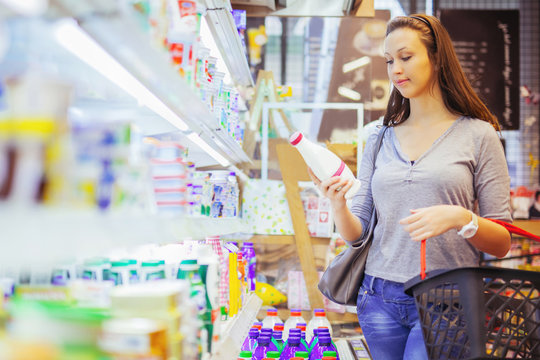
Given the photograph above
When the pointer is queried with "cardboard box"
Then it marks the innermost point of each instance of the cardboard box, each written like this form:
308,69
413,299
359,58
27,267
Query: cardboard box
266,211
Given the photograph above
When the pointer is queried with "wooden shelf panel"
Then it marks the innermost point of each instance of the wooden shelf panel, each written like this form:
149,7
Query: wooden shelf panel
285,239
334,318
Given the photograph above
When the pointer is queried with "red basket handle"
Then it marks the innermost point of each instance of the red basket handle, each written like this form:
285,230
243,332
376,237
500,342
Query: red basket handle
423,259
512,229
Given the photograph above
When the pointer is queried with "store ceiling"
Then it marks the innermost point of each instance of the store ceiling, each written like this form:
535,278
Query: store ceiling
296,8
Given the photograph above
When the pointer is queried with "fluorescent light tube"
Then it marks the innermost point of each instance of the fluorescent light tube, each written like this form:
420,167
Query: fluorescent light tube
349,93
26,7
75,40
355,64
213,153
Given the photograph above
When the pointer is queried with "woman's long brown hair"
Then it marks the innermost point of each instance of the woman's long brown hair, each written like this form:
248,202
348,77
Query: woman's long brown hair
457,93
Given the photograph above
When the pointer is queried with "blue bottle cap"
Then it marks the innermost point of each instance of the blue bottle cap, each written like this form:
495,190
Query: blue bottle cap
264,339
294,340
324,339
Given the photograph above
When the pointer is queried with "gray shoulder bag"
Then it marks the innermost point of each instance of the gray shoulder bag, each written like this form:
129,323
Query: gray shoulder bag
342,279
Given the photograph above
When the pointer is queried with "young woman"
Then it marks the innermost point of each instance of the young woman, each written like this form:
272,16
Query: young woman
439,174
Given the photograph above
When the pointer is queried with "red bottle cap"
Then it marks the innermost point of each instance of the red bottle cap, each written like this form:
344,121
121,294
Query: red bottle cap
296,312
271,312
295,138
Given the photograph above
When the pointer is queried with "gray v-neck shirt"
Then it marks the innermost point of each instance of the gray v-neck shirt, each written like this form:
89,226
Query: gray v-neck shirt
464,165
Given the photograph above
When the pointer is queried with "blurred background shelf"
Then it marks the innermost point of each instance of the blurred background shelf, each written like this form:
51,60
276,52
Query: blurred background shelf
532,226
44,235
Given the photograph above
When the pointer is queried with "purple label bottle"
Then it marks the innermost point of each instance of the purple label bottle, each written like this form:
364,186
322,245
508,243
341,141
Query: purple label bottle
291,347
298,332
324,344
277,339
263,346
251,341
316,333
314,340
249,255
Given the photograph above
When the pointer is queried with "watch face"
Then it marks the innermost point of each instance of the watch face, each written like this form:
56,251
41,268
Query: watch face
469,232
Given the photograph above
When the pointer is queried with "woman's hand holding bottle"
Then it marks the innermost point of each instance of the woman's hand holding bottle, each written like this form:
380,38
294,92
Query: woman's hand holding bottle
333,188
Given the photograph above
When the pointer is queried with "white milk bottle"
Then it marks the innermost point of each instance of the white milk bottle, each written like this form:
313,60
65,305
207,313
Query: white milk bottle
318,320
324,163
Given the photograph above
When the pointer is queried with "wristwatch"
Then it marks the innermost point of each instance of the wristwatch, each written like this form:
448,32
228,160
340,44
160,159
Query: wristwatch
469,230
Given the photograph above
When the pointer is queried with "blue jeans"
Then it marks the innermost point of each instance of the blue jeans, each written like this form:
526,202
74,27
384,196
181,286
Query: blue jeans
389,321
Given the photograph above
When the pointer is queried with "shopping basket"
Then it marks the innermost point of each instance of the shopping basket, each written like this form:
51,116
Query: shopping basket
479,313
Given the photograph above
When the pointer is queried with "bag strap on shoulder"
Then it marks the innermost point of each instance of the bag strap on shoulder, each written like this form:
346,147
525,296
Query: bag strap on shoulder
378,144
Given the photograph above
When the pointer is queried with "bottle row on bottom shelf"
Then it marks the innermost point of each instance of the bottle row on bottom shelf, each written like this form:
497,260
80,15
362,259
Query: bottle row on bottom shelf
272,339
158,320
181,307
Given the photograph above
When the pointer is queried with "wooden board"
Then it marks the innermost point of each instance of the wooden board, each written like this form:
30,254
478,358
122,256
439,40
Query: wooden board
294,169
285,239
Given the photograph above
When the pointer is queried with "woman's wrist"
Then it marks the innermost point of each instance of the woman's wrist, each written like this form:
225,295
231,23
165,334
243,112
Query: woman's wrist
339,206
463,217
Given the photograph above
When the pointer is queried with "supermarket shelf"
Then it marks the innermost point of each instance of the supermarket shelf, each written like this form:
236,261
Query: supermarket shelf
223,28
285,240
527,256
122,37
236,329
34,235
333,317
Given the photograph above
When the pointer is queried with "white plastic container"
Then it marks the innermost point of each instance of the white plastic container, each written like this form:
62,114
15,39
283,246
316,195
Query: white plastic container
271,319
324,163
209,267
318,320
294,318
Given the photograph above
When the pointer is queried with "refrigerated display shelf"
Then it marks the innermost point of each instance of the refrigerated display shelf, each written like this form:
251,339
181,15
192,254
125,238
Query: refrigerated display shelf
117,31
222,26
45,235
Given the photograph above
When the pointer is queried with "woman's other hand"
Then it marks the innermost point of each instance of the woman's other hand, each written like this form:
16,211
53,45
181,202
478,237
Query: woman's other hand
432,221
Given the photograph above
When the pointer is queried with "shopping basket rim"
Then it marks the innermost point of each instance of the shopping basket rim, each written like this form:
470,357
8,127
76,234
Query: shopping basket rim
410,284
